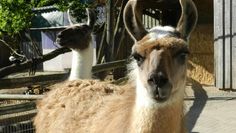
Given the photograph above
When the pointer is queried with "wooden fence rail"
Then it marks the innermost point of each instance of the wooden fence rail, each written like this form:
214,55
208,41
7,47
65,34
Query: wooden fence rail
10,109
19,97
25,81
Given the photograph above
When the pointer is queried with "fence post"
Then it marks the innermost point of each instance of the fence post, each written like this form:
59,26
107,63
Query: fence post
110,30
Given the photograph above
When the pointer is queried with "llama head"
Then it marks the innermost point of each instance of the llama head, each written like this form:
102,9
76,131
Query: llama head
161,53
78,36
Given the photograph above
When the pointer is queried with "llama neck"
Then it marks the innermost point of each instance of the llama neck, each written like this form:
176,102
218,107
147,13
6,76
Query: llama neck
150,116
155,119
82,61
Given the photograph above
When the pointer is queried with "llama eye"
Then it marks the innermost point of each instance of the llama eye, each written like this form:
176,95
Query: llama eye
182,57
138,58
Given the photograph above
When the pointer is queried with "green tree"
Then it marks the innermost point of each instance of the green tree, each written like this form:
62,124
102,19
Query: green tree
15,15
77,8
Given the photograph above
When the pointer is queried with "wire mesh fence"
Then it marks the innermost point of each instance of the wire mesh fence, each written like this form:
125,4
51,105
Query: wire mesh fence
17,118
20,127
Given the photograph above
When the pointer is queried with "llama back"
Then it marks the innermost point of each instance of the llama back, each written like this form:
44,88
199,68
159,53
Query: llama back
116,116
79,101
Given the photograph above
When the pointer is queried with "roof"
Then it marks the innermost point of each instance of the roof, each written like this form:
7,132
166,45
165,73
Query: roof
45,9
49,16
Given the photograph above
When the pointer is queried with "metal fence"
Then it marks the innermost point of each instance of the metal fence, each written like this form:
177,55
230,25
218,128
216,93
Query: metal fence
225,43
151,18
17,118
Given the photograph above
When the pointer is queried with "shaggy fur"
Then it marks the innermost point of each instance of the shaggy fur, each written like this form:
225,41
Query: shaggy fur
152,101
97,107
92,106
72,105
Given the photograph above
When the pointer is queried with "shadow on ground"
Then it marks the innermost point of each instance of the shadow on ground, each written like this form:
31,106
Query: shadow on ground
198,105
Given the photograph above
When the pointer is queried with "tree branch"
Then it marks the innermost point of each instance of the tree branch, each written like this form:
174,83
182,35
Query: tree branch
29,63
6,44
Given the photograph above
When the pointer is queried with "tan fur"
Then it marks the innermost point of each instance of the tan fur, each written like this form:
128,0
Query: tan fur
71,106
87,106
93,106
168,119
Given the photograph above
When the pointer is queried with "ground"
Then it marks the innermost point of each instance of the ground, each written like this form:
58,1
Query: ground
210,110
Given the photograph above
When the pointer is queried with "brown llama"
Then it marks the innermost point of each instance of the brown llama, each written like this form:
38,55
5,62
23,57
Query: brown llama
152,102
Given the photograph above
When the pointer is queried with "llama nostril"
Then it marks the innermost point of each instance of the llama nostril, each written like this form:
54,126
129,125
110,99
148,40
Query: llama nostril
158,79
162,81
153,79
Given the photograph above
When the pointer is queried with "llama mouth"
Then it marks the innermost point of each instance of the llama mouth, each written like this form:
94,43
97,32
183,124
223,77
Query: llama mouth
162,94
61,41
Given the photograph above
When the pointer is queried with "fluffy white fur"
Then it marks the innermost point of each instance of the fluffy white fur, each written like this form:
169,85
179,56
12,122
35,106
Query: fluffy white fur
82,62
160,32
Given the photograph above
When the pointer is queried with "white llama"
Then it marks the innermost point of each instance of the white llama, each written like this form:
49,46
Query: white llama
78,37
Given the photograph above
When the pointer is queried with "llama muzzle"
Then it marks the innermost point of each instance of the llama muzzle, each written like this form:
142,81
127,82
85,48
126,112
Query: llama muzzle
161,86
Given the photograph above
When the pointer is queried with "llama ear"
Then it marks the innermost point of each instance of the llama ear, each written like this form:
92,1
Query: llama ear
188,19
91,17
133,20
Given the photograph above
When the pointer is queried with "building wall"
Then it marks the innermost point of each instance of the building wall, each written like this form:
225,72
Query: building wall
201,61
